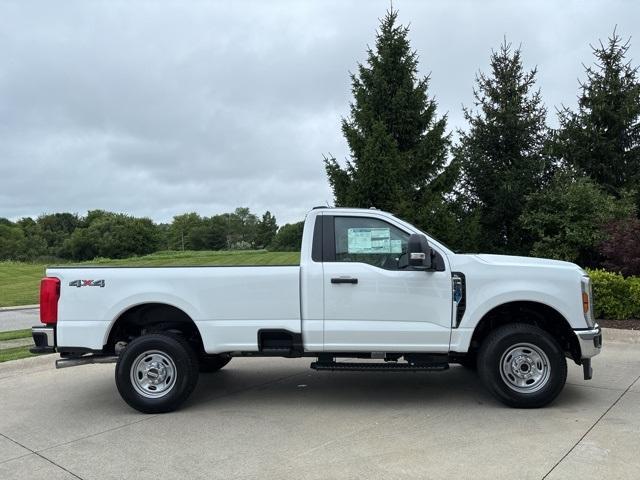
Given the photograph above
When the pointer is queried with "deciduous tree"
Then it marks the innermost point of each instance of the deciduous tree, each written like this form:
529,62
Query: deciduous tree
567,219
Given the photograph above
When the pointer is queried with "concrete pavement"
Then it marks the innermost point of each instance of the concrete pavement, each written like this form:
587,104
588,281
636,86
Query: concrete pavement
18,318
275,418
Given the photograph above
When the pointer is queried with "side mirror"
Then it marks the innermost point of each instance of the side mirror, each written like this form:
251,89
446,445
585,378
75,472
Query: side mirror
419,252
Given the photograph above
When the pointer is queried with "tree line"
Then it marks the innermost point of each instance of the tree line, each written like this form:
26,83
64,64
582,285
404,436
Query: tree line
115,235
508,183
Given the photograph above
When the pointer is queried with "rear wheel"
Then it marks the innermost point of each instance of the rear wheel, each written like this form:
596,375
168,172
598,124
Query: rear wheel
155,373
522,365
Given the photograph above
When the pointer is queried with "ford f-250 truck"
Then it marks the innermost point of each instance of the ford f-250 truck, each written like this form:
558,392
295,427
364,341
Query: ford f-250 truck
369,286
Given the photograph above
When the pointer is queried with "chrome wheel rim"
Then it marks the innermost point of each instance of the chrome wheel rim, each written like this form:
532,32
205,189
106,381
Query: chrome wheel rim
153,374
525,368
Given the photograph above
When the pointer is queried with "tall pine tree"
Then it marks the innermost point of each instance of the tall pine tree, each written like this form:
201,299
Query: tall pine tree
602,138
266,230
501,156
398,144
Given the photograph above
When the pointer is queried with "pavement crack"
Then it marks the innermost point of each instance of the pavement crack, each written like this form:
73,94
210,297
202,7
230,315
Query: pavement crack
42,457
148,417
592,427
595,386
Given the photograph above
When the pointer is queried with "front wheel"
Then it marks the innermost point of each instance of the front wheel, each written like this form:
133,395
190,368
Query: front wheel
469,361
213,363
157,372
522,365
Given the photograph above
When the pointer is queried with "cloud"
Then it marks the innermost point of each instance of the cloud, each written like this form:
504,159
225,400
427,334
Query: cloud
165,107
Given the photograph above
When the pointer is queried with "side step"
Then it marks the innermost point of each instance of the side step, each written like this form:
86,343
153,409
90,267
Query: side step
277,351
87,359
385,367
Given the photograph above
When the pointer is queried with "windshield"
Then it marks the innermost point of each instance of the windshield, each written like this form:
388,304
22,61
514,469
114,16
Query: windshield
429,235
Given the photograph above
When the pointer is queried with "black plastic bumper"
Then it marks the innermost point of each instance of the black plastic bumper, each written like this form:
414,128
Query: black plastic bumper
43,339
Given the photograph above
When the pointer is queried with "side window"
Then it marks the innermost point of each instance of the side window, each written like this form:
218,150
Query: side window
372,241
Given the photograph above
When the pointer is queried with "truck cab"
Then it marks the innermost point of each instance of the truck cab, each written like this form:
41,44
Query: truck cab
369,286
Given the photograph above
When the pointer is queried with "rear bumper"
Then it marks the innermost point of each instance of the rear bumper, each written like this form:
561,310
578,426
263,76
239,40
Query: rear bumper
44,339
590,342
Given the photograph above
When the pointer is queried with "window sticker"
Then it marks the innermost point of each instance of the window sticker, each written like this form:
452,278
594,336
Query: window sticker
396,246
369,240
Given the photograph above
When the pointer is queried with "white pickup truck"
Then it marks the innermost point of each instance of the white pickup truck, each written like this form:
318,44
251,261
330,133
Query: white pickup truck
369,287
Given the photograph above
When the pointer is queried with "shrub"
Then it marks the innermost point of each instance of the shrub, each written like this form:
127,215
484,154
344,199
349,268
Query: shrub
634,287
615,297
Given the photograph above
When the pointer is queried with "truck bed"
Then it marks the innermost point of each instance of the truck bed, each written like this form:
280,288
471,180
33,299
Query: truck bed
228,304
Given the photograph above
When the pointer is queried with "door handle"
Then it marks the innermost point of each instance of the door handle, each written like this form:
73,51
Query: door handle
345,280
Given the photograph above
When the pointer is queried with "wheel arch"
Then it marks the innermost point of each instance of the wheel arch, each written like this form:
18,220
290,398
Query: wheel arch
529,312
152,316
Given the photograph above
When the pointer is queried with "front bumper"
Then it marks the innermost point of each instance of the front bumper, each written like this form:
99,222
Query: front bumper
590,345
590,342
44,339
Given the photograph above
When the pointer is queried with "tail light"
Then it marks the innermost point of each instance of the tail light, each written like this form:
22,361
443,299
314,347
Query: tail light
49,295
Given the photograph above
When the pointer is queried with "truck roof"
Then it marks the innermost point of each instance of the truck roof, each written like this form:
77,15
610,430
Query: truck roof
351,209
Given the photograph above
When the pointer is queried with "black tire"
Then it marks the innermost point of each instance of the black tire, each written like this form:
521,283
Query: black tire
213,363
177,366
501,365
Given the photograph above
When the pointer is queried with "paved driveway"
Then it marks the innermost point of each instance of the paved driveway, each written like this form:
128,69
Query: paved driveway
276,419
18,318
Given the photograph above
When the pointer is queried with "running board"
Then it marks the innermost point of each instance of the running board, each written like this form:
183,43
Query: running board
384,367
87,359
276,350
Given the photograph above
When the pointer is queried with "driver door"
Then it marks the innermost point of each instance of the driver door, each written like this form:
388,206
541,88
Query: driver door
373,300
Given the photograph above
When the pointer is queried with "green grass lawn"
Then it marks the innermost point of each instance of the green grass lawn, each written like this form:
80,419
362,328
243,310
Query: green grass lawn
8,354
19,282
15,334
15,353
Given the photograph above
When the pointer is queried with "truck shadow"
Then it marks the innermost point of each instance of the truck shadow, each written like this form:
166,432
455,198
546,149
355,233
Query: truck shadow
342,389
351,390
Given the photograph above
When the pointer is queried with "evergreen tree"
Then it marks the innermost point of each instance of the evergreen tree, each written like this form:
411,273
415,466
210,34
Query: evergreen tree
501,156
398,144
266,230
602,138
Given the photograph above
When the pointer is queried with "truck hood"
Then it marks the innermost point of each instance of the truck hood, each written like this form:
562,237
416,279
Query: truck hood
514,261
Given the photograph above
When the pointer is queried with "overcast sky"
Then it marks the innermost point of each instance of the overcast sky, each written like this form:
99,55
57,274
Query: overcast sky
160,108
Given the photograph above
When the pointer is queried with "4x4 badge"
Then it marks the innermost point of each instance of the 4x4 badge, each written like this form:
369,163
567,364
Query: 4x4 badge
87,283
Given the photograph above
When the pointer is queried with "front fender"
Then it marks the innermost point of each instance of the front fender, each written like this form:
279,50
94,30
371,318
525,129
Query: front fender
473,316
491,291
